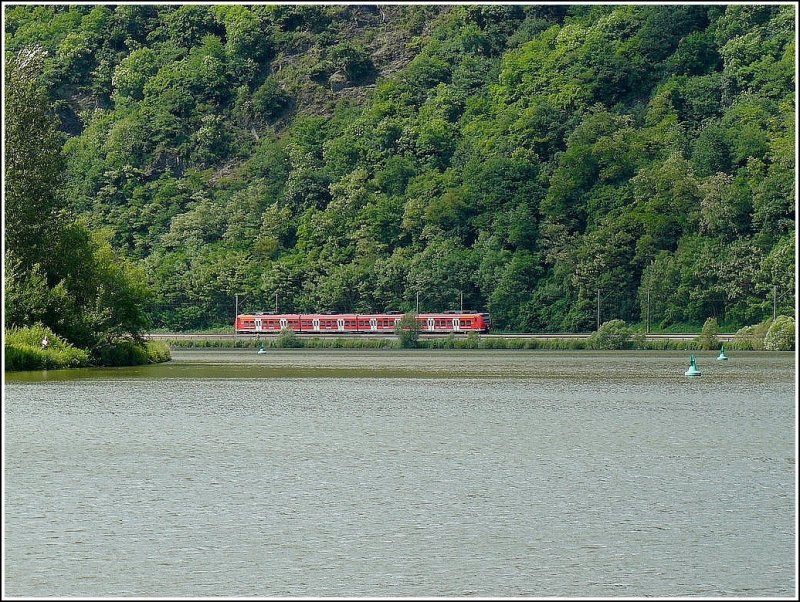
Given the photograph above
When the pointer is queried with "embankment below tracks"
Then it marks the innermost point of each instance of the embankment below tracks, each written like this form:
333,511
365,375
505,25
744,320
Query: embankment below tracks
461,340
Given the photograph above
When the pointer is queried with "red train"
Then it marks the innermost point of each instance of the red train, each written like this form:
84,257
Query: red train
360,323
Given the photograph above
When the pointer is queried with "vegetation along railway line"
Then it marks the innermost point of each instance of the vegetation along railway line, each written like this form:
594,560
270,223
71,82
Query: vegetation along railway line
538,336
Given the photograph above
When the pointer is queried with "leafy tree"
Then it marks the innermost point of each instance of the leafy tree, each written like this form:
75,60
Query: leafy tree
613,334
34,164
269,100
133,72
26,295
407,330
708,336
781,335
287,339
351,59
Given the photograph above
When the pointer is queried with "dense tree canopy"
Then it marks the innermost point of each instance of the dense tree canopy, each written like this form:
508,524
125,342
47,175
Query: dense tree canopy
57,271
350,158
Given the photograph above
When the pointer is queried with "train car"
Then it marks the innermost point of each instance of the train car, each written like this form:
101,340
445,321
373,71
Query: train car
385,323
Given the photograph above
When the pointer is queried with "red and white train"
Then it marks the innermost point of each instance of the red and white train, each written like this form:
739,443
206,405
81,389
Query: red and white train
360,323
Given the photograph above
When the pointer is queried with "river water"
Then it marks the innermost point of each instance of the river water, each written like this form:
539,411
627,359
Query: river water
390,473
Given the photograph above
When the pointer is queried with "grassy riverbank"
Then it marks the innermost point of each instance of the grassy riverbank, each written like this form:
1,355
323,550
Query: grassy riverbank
612,335
469,342
23,351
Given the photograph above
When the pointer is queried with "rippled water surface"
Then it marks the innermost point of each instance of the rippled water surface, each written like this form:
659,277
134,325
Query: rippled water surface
377,473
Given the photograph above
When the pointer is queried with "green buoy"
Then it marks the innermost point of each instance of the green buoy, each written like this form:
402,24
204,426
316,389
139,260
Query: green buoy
722,355
692,371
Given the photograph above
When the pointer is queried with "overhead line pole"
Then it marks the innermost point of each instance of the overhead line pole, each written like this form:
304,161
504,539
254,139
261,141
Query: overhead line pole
598,309
774,302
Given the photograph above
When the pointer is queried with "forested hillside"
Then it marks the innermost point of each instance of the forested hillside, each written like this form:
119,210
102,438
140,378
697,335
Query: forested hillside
348,158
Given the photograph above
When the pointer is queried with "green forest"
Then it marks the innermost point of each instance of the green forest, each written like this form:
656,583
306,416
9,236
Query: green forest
538,160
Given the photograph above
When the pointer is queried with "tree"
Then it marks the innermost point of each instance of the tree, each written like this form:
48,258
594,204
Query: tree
34,164
613,334
351,59
781,335
707,339
269,100
407,330
26,295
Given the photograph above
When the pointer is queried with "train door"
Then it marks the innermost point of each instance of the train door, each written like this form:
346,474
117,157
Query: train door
373,323
340,324
315,323
283,323
431,324
456,324
258,324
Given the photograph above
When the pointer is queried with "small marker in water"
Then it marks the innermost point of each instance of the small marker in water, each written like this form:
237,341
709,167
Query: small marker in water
722,355
692,371
261,350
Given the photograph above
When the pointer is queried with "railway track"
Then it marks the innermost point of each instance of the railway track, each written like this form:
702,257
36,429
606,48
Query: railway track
181,336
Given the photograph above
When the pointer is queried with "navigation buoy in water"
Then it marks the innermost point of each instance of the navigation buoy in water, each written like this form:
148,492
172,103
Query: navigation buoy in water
692,371
722,355
261,350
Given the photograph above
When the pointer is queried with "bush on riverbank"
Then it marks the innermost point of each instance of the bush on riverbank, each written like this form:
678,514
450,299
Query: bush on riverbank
407,331
781,335
287,339
751,338
127,352
611,335
157,352
23,350
707,339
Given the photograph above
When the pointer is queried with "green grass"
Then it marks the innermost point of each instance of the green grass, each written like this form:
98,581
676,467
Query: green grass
466,343
23,351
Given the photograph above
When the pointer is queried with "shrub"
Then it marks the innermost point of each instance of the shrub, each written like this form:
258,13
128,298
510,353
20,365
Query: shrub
124,352
287,339
613,334
407,331
473,341
494,344
752,337
269,99
157,352
707,339
781,335
351,59
23,357
23,350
